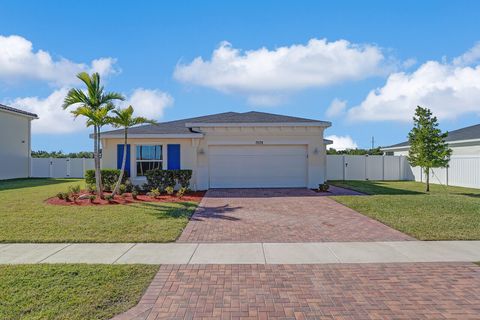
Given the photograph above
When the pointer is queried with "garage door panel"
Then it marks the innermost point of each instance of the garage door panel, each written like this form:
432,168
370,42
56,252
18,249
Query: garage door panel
257,166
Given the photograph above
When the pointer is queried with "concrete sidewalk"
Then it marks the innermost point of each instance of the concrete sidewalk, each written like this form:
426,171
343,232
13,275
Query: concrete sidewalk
241,253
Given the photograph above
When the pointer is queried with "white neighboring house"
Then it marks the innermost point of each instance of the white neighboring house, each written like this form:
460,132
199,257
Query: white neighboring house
15,142
226,150
463,142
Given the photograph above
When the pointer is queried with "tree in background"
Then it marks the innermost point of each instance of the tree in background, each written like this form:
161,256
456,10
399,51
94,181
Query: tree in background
124,119
60,154
94,104
356,152
428,148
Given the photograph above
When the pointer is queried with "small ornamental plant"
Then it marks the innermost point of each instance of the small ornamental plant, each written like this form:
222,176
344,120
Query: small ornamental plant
60,196
134,194
169,190
109,198
154,193
323,187
92,198
181,192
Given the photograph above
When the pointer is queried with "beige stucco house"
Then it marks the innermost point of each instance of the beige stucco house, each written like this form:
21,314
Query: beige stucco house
463,142
226,150
15,142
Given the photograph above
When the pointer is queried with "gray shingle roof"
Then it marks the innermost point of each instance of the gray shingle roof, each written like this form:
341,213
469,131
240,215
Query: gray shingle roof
7,108
178,126
467,133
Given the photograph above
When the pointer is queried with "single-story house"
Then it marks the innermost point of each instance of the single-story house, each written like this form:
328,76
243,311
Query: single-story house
226,150
15,142
463,142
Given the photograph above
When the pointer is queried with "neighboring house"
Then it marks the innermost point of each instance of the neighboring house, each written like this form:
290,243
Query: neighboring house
465,141
226,150
15,146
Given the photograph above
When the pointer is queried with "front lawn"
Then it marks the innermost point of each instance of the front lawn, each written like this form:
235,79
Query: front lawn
446,213
71,291
25,217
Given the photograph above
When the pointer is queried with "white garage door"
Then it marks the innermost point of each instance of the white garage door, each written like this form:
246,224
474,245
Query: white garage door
258,166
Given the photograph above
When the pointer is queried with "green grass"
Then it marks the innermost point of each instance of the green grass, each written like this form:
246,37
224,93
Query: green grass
25,217
446,213
71,291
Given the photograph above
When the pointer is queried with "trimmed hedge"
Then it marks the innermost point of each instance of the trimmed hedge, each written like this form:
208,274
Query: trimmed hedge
109,176
161,179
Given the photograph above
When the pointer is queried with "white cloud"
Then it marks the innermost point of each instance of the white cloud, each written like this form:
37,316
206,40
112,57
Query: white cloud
341,142
54,120
149,103
337,107
18,61
469,57
262,75
448,89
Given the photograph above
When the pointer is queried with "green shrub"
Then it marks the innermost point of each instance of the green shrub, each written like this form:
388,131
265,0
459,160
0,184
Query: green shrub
60,195
109,198
122,189
169,190
183,177
161,179
181,192
91,188
109,176
128,185
107,187
92,198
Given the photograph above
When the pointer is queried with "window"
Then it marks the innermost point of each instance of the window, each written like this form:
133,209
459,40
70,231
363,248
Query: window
148,157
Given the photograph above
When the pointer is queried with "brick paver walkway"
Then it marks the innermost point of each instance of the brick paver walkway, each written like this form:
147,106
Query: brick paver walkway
372,291
280,215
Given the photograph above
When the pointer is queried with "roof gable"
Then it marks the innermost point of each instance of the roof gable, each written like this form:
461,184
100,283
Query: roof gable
467,133
179,126
18,111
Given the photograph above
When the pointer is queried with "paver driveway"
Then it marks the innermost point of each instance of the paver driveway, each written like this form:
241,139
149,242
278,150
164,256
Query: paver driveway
372,291
280,215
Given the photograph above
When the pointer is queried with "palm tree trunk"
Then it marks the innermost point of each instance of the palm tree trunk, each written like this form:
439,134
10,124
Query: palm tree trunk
122,170
97,162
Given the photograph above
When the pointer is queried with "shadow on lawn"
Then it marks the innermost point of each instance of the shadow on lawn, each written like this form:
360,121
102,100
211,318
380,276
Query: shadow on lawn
31,182
162,211
374,188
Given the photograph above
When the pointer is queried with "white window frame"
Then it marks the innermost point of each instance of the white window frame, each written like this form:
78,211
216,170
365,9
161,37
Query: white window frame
149,144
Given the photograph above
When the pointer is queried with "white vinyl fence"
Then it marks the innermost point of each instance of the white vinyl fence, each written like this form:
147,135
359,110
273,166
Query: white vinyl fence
463,171
345,167
60,167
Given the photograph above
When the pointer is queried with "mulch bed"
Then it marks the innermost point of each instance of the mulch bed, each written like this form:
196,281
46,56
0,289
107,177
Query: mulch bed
127,199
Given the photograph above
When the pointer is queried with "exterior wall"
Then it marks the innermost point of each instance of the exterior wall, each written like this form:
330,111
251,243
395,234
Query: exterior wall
195,154
14,146
187,154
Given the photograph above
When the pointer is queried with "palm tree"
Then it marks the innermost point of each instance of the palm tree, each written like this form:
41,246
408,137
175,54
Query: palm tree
94,104
124,119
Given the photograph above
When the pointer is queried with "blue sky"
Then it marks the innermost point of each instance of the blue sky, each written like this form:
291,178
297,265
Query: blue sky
372,60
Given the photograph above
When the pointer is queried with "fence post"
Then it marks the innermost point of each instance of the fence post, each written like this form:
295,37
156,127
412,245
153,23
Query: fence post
344,166
366,167
50,168
69,169
84,167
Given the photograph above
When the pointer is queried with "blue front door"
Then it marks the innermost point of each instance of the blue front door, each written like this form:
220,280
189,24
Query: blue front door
120,158
173,154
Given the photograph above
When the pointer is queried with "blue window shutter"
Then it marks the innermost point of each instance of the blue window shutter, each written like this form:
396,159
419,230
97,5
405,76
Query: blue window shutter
173,154
120,158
